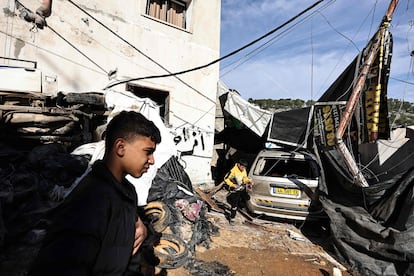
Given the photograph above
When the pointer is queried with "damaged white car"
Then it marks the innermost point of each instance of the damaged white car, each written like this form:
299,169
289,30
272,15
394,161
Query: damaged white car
285,185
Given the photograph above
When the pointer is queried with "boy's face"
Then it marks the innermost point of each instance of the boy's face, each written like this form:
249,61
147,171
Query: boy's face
139,155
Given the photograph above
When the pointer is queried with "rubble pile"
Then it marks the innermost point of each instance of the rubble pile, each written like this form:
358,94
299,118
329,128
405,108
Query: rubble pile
32,183
184,215
29,119
202,268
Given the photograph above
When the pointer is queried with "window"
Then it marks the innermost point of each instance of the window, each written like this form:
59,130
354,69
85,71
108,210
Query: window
158,96
171,11
305,169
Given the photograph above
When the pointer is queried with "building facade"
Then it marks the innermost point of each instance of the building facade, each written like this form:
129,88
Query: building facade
137,46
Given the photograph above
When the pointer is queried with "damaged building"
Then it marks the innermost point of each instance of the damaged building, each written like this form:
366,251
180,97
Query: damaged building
66,69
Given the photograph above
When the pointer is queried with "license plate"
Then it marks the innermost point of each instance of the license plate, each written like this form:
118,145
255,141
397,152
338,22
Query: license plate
283,191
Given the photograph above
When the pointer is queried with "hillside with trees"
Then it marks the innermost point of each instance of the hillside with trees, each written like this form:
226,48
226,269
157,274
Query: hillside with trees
401,113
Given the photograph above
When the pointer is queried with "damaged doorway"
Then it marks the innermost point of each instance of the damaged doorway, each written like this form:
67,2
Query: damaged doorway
160,97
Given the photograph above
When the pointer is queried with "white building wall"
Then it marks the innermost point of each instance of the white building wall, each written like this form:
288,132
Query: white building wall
192,97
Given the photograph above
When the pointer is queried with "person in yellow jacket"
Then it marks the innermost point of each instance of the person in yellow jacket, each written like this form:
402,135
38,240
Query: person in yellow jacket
236,180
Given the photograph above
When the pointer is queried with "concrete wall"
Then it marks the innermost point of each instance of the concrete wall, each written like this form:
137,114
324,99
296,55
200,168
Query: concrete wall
192,96
387,158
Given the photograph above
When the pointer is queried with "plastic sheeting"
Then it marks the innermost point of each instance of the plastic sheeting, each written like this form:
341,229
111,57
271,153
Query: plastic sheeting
291,127
118,101
373,227
253,117
172,184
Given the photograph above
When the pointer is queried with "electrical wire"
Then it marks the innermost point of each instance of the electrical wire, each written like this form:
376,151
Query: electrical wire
372,11
260,48
285,32
64,39
139,51
79,51
312,61
405,88
52,53
267,44
182,72
338,32
404,81
221,58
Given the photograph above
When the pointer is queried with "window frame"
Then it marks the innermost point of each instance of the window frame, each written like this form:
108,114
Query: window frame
159,96
165,17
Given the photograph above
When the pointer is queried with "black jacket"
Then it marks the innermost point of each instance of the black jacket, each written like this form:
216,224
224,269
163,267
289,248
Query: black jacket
92,232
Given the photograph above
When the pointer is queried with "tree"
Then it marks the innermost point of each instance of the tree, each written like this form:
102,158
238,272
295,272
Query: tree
400,112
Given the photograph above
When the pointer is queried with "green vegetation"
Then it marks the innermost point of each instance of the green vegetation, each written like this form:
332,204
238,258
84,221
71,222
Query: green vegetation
401,113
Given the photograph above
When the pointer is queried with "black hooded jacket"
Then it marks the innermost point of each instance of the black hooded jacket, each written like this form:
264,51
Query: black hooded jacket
92,231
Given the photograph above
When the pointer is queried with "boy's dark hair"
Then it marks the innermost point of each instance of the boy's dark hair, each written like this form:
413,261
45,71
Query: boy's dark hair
128,125
243,162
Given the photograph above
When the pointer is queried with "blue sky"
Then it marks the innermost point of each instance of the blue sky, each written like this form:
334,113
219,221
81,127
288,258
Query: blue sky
305,57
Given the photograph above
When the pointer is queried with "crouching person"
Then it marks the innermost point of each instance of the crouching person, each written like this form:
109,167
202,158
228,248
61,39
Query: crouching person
96,230
236,181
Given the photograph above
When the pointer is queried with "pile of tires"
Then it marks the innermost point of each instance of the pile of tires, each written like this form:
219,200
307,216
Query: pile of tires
170,249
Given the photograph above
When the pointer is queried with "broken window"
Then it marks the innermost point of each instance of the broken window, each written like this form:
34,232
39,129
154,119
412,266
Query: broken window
170,11
160,97
299,168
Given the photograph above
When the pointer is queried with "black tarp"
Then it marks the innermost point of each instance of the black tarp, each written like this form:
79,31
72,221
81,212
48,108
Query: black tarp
242,139
372,228
290,127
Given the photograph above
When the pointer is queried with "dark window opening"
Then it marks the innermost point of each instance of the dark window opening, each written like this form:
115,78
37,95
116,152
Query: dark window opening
171,11
160,97
288,168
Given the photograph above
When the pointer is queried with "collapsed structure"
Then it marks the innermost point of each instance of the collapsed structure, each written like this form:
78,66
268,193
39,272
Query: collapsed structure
372,223
366,185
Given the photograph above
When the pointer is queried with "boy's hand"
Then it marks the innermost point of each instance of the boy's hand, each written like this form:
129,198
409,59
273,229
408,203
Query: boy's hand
140,235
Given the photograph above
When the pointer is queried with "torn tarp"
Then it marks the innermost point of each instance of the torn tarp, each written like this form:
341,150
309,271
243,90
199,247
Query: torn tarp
172,186
372,227
251,116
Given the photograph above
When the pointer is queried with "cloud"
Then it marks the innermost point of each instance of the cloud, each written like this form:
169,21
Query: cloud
303,61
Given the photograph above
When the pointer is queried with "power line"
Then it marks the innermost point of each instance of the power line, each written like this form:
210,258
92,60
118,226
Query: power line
79,51
338,32
404,81
67,41
221,58
139,51
266,45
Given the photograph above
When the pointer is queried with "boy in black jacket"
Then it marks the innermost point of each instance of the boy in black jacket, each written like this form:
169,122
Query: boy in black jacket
96,230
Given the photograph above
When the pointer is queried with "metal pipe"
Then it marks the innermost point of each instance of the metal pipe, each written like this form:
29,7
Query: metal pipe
356,92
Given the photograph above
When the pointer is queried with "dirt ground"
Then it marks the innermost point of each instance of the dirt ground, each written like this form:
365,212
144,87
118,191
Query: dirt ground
264,247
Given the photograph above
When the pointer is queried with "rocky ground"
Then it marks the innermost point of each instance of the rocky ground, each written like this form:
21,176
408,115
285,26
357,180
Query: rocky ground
263,247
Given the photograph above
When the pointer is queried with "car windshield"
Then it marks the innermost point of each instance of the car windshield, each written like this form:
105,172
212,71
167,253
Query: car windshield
278,167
